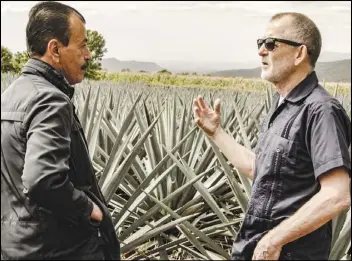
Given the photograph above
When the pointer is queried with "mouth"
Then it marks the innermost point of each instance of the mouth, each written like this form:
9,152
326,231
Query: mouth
264,63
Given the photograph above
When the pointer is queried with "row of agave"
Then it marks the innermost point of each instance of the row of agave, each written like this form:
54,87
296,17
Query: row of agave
171,192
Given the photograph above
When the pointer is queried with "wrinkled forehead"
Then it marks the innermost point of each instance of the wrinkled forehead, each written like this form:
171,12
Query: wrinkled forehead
281,28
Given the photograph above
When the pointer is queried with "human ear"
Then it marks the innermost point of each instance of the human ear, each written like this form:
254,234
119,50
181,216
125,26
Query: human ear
301,54
53,50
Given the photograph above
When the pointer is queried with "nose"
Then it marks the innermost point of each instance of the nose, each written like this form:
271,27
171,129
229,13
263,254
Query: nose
262,51
88,55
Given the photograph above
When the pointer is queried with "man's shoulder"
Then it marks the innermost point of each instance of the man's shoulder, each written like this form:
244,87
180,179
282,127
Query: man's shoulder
25,89
321,102
320,94
321,98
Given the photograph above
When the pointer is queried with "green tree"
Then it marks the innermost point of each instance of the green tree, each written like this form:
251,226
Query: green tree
19,60
6,60
96,44
164,71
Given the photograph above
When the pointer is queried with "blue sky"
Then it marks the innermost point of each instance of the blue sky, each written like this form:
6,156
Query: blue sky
186,30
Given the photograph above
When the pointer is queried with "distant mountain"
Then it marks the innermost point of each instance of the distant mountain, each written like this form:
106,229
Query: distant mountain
205,67
113,65
245,73
333,66
333,56
337,71
213,66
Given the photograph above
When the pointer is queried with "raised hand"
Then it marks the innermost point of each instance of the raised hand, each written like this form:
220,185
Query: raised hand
207,119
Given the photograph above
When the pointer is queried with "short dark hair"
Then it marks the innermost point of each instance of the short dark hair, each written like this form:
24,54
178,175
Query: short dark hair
48,20
305,32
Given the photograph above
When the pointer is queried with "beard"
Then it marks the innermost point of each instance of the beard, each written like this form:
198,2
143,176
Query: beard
277,71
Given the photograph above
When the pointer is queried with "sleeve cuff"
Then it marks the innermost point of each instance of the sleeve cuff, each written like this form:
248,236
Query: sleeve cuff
332,164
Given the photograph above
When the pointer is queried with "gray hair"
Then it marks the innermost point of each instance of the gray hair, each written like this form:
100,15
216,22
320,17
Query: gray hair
48,20
305,32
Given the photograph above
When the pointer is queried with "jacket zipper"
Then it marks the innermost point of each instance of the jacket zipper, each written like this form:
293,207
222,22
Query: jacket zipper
86,148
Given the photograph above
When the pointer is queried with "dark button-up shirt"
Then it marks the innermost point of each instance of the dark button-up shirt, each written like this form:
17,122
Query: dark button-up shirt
305,136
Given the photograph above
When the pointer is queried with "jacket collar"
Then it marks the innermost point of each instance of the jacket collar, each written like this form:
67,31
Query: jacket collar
41,68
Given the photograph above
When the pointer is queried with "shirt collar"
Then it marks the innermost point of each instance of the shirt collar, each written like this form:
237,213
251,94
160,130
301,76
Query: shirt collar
303,89
39,67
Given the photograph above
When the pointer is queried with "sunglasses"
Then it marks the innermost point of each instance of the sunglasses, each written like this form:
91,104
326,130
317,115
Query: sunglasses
270,43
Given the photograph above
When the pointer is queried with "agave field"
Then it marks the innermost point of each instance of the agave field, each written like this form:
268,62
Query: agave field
171,192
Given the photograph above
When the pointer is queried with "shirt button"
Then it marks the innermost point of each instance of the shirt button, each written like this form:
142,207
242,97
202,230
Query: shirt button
278,150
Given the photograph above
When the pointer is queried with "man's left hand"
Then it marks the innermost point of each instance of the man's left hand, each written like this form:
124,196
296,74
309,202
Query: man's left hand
266,251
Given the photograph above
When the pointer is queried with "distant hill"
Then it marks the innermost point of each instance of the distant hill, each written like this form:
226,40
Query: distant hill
333,56
245,73
336,71
202,67
113,65
205,66
214,66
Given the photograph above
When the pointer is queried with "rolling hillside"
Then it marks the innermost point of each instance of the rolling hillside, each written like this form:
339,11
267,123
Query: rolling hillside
337,71
113,65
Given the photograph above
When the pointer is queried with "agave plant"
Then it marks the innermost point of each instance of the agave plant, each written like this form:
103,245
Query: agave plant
172,193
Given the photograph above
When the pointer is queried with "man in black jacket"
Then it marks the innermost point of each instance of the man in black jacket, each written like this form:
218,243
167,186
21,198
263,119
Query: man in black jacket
51,205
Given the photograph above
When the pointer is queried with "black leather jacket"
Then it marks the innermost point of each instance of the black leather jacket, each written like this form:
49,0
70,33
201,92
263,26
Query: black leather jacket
47,179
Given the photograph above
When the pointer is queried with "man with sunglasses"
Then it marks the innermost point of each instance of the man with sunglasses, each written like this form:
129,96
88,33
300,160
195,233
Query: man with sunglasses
301,166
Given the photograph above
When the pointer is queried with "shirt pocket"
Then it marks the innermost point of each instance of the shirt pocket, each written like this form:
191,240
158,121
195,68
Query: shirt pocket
275,154
284,146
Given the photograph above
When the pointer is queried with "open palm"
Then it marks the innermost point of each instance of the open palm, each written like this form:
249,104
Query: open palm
207,119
